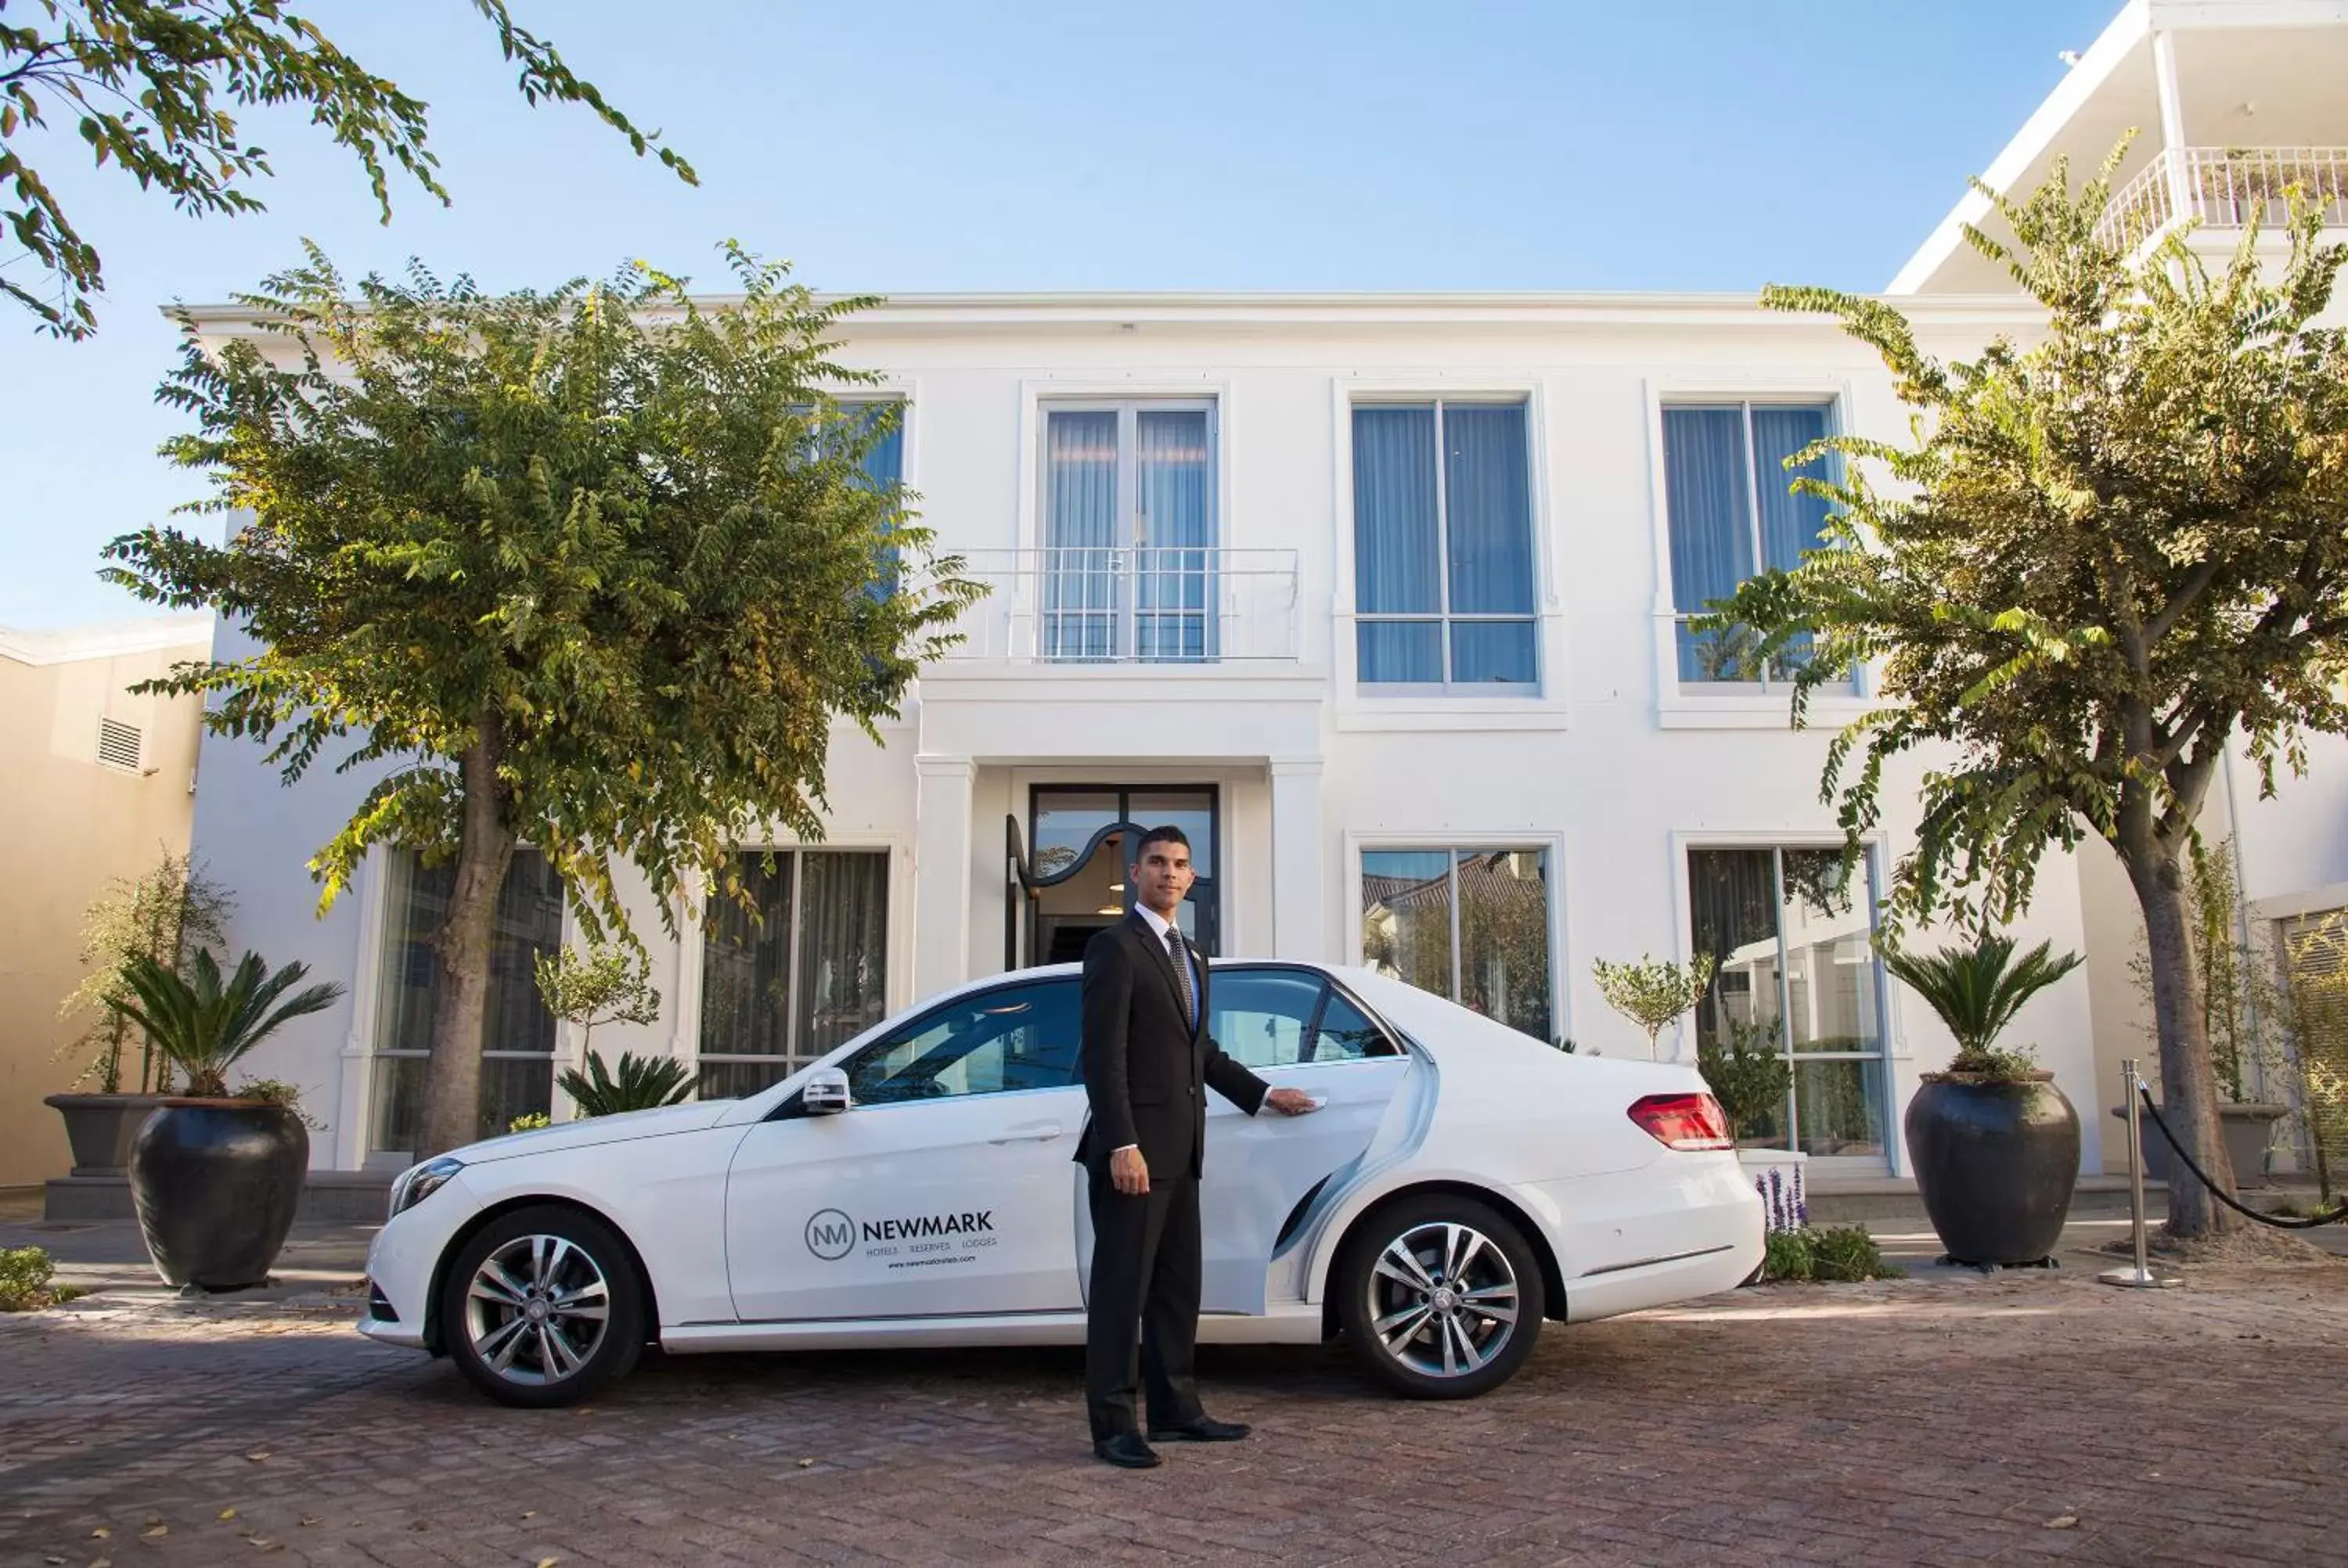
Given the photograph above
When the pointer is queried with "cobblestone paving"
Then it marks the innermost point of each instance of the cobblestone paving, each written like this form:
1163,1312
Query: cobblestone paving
2018,1418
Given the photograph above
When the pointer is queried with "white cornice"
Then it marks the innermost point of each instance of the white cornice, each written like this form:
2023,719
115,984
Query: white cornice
107,639
1140,312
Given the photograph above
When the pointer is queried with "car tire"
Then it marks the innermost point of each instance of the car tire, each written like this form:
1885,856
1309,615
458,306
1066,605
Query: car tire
1420,1327
519,1301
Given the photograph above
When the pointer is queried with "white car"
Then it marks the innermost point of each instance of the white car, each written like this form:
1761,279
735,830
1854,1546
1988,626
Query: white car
1460,1183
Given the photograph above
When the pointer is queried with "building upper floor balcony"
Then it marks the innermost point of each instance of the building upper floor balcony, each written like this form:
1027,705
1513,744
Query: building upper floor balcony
2226,187
1175,606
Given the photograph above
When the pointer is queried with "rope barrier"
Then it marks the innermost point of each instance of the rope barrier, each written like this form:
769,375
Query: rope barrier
2278,1221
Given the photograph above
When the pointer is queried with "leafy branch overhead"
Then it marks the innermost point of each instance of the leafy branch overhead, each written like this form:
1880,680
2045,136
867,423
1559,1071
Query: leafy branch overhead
154,88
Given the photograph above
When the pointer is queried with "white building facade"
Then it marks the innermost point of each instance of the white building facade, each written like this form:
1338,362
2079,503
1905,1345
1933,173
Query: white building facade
1382,600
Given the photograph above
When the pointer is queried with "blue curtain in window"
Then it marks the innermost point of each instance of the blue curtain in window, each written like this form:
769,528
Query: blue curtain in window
1080,608
884,466
1789,523
1706,489
1396,552
1173,587
1487,489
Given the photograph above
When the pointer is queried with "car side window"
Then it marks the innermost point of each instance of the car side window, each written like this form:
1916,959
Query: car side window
989,1042
1345,1034
1261,1018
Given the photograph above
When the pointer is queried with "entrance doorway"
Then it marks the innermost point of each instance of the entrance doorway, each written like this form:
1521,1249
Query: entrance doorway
1075,881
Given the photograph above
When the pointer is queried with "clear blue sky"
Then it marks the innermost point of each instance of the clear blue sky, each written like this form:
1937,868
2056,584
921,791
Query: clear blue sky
897,145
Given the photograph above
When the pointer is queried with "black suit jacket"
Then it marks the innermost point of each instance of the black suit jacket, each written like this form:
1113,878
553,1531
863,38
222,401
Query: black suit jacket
1147,1070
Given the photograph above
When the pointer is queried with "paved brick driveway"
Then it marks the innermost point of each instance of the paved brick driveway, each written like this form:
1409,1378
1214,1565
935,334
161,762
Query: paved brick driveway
1922,1422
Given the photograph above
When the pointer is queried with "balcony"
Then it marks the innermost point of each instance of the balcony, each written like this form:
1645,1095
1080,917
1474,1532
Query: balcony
2226,188
1171,605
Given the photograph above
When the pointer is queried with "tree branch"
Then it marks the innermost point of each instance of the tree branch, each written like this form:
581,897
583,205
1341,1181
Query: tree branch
2194,587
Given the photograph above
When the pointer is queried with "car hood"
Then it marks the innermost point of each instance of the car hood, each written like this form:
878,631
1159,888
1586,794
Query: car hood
625,1126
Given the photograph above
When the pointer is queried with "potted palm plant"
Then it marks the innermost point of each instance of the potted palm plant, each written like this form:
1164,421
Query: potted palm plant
1995,1143
216,1177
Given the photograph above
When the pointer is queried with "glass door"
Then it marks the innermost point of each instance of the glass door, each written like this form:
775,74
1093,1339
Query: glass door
1084,839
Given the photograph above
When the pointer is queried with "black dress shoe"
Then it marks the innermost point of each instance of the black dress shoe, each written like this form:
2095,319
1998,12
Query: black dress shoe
1205,1429
1127,1451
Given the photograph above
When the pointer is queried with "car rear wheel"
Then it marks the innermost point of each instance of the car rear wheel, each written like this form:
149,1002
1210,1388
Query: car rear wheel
1440,1297
542,1306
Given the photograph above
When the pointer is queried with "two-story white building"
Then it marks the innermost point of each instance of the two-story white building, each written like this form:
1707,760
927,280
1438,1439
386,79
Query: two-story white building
1382,598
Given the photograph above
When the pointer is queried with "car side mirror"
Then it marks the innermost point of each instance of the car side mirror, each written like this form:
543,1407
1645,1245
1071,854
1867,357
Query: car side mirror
824,1093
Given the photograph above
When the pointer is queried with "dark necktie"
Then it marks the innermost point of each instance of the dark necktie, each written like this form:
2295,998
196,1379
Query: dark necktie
1181,974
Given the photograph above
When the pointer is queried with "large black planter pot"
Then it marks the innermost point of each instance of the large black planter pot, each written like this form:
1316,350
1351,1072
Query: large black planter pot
1995,1163
216,1183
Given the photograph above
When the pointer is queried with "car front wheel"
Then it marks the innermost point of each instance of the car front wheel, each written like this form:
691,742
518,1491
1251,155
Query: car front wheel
542,1306
1440,1297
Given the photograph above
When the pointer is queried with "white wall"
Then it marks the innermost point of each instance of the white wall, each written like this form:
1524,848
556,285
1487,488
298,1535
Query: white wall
1608,766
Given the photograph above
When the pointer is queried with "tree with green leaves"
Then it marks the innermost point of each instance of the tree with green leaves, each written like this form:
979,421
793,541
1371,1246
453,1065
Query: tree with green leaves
608,983
154,86
2107,554
1653,993
593,570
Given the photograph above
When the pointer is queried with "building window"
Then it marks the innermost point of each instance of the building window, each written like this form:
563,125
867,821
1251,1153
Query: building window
808,972
1795,969
519,1038
1128,560
1443,547
1469,924
1733,516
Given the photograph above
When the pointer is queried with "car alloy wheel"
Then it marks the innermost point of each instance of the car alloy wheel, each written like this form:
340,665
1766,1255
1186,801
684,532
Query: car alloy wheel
1441,1297
542,1306
537,1309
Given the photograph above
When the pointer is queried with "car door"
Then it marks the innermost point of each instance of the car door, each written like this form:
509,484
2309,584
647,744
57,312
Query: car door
942,1191
1292,1028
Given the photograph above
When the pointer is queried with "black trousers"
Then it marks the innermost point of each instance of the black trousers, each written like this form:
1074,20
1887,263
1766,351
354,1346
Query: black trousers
1142,1308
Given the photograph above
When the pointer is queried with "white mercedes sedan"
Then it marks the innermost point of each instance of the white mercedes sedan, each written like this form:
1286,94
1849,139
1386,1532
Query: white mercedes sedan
1460,1185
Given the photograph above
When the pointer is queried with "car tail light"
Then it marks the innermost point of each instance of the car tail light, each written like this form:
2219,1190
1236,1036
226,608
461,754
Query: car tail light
1684,1121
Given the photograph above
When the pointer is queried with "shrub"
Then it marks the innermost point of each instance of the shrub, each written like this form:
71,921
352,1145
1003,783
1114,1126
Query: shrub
530,1122
24,1276
1823,1254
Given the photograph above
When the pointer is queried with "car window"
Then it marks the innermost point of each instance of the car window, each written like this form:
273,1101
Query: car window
1263,1017
989,1042
1346,1033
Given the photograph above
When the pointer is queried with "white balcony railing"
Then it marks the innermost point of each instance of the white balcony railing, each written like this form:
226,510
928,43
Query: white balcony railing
1158,605
2225,187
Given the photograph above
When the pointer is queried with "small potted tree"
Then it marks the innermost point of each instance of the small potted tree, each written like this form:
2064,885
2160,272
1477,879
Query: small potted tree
606,984
1750,1076
164,914
215,1176
1995,1143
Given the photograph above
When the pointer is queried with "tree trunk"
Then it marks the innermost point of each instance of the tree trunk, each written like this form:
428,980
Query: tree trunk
460,1003
2188,1088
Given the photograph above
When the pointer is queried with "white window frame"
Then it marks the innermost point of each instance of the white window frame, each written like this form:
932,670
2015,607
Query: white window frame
1552,845
1444,617
1428,708
354,1129
1736,705
897,989
1898,1060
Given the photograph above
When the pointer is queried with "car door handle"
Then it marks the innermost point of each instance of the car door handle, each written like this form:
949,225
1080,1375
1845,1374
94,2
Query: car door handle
1030,1133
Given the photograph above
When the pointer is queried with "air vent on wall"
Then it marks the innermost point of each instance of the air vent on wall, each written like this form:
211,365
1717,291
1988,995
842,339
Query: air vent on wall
117,745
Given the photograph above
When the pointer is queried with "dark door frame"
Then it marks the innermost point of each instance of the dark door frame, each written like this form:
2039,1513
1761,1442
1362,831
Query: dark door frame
1023,885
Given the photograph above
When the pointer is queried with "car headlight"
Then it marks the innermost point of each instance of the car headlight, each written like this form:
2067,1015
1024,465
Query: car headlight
418,1183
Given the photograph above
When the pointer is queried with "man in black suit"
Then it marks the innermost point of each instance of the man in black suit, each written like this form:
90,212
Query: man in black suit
1147,1064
